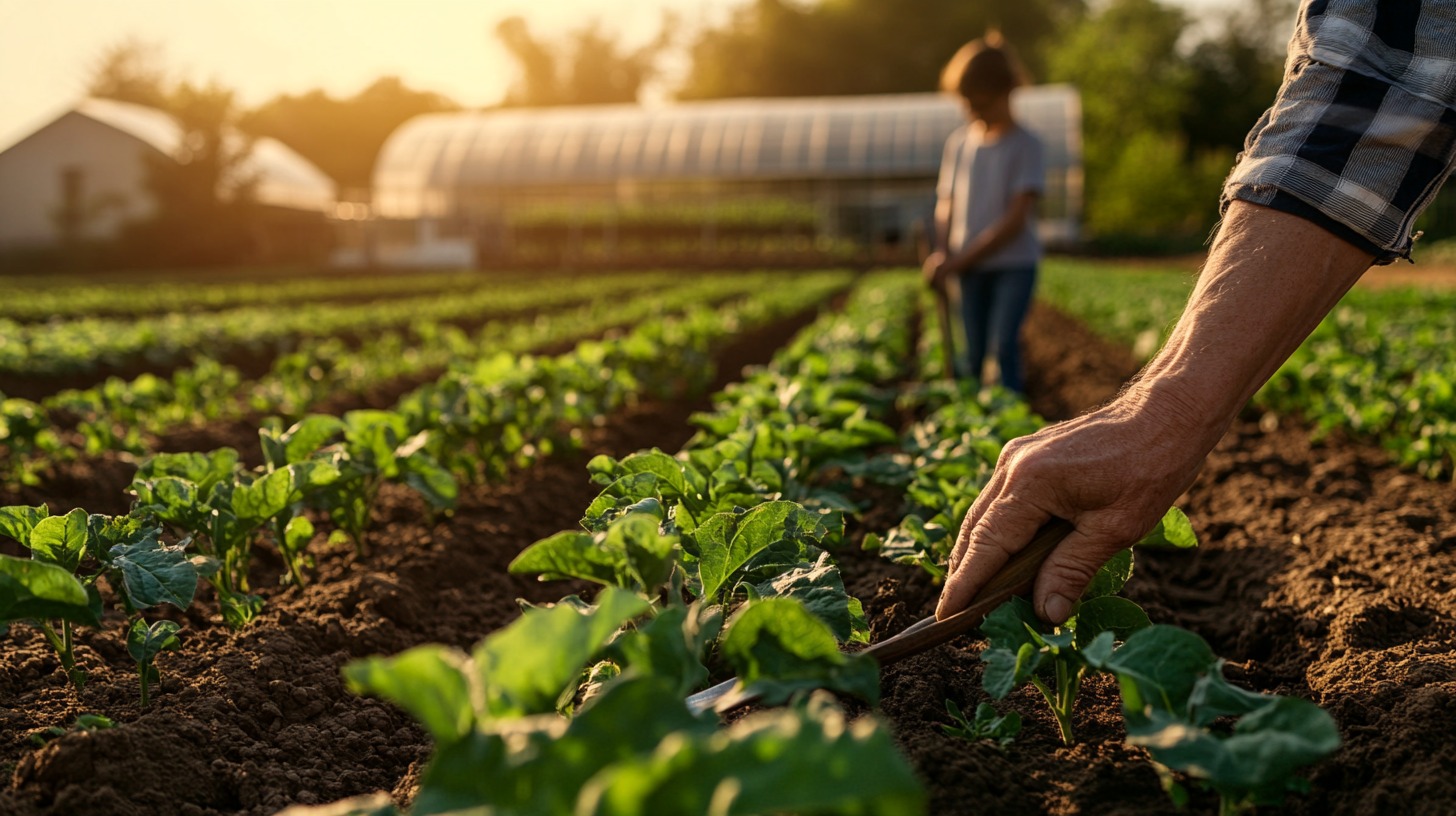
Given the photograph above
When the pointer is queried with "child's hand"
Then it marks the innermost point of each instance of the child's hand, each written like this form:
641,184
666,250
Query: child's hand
934,271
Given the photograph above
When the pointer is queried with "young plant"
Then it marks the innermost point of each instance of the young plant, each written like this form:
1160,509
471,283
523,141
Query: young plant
986,724
1175,697
71,553
633,746
1021,649
144,643
377,448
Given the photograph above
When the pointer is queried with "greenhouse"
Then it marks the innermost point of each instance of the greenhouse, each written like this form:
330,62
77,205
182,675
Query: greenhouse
754,180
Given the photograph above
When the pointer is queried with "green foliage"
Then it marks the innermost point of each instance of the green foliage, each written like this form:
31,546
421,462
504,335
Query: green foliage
1174,694
986,724
631,746
781,48
144,642
57,589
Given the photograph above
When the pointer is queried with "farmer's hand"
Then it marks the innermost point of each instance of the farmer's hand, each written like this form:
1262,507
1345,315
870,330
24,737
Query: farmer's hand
934,271
1111,473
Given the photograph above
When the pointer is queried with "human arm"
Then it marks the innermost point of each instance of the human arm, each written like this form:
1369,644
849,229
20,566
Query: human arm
933,266
995,237
1270,278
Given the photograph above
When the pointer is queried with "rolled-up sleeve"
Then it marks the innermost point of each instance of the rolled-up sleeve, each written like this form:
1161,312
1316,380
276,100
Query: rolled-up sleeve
1359,148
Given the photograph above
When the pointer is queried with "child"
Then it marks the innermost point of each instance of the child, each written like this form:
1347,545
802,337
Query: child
991,175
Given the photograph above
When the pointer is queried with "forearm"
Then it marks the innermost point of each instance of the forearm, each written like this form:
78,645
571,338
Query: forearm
941,240
998,235
1269,280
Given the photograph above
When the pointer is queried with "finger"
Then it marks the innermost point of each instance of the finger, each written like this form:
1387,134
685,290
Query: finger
1065,574
1005,529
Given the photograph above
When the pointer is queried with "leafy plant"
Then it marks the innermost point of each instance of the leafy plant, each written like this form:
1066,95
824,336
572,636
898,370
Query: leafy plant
633,746
57,588
1020,648
1175,698
986,724
144,642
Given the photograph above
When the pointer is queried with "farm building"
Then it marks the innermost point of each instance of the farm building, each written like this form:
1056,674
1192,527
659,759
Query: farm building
83,177
760,179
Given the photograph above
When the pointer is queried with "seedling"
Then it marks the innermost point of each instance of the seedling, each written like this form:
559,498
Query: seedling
987,724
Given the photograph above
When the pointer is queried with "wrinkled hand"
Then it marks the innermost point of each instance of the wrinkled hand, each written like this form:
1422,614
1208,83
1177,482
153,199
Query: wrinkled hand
935,271
1111,473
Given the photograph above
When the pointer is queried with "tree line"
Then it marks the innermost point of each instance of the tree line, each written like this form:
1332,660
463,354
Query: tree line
1166,98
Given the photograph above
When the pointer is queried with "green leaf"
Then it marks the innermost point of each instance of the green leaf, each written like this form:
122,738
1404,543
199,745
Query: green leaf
152,574
1006,626
810,759
1006,668
779,648
239,609
435,483
297,534
820,588
145,642
1112,614
727,542
671,646
1112,576
205,470
61,540
266,497
568,555
36,590
524,668
1174,530
1158,667
18,521
299,442
1257,761
431,682
669,473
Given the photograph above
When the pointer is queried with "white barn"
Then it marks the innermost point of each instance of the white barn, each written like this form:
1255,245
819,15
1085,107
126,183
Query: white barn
82,176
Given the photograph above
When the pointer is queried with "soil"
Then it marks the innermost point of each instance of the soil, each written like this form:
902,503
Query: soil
1324,572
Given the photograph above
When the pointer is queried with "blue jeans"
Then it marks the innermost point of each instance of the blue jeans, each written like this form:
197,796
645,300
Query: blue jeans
994,303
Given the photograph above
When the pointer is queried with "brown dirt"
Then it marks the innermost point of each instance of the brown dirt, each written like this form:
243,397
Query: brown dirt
250,722
1324,572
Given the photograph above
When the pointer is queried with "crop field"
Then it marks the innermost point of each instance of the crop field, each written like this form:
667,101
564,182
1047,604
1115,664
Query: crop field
466,542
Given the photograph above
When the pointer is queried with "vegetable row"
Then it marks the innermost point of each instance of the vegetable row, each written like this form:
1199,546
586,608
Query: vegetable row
719,559
1378,367
201,515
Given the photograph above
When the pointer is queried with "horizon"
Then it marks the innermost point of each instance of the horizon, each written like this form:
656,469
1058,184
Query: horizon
262,50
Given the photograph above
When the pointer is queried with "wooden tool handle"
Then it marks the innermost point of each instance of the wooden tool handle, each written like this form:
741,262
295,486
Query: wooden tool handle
1015,578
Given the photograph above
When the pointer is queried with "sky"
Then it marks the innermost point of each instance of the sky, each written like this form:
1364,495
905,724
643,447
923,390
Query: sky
261,48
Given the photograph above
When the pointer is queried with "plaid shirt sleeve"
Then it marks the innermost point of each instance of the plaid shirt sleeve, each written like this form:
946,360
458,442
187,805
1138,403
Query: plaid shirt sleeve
1362,133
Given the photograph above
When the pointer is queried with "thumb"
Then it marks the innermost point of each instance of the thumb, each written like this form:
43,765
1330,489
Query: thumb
1065,574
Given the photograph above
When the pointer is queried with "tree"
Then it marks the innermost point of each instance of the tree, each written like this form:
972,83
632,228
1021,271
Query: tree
205,210
1235,74
131,71
785,48
342,137
589,68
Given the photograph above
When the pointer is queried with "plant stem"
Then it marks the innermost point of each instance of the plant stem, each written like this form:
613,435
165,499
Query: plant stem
142,670
1064,716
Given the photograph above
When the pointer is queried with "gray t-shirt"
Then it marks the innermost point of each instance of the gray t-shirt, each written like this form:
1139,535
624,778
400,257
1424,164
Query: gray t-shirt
981,178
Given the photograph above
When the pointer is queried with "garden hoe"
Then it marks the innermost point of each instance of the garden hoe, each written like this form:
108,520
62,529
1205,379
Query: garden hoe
947,334
1015,578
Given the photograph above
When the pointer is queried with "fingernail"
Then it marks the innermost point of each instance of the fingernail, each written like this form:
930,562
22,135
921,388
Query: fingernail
1057,608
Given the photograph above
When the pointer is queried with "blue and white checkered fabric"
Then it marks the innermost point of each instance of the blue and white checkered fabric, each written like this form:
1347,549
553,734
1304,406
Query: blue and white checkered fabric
1363,132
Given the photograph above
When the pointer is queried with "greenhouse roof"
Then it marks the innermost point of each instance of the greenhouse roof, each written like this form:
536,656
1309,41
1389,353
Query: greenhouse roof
818,137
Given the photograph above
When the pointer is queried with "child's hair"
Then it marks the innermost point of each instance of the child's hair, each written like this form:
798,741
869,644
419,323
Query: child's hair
984,66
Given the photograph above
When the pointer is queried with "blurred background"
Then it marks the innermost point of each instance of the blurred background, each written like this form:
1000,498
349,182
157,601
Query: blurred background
589,133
